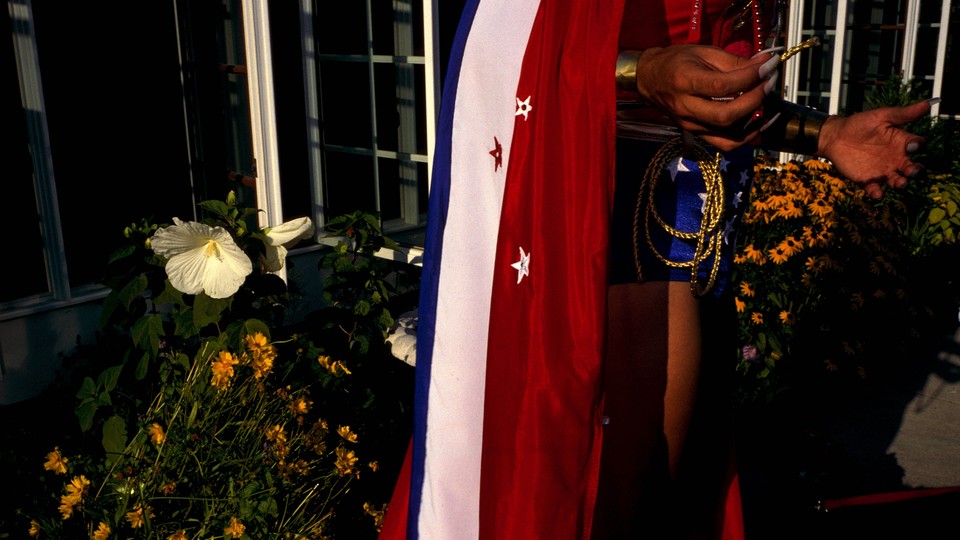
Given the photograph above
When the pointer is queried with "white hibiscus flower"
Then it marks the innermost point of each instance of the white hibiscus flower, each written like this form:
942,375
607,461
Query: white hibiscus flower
281,236
201,258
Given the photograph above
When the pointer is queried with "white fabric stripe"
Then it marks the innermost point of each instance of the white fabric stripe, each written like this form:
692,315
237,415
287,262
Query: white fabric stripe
485,107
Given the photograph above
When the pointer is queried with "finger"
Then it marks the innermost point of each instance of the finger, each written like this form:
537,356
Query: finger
873,190
731,75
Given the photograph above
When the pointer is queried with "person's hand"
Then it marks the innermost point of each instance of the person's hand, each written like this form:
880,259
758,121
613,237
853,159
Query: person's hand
684,80
871,149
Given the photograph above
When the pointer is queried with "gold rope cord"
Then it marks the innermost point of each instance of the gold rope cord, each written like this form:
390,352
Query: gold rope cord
710,235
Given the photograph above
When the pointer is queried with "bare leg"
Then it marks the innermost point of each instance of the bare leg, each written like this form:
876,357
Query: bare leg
650,388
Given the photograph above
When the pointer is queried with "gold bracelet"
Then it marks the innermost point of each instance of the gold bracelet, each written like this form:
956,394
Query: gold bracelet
797,130
627,71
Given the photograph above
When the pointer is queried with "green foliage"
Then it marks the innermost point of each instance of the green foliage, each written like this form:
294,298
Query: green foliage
230,418
836,288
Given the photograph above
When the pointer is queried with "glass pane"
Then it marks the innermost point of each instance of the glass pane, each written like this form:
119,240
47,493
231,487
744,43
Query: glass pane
341,27
348,179
401,112
345,103
398,27
31,274
117,138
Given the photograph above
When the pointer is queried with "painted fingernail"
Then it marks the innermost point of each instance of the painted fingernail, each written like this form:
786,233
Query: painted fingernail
901,181
771,83
912,147
933,101
770,122
770,66
771,50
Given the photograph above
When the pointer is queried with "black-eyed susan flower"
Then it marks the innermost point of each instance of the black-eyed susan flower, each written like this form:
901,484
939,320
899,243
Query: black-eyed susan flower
778,255
786,317
746,289
740,304
756,317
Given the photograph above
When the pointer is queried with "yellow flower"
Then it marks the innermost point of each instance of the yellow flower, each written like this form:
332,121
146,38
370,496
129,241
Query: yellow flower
333,367
786,317
66,506
222,370
755,255
756,317
746,289
78,486
235,529
374,466
346,459
741,305
300,405
790,246
817,165
856,301
169,488
56,462
324,361
156,433
34,530
830,365
263,354
276,433
778,255
179,535
136,518
348,435
102,532
789,210
820,208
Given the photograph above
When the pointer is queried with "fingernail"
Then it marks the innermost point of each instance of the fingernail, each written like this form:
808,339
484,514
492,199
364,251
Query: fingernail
912,147
769,67
771,83
933,101
770,122
771,50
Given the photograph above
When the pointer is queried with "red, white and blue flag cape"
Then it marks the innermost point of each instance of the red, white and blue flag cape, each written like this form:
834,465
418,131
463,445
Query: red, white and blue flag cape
510,335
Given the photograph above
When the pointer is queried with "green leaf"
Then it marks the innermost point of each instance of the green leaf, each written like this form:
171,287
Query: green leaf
170,295
143,367
146,333
252,326
108,378
936,215
208,310
85,412
114,438
88,389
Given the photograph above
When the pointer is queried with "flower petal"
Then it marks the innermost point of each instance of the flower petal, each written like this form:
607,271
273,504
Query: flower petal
273,258
293,230
202,258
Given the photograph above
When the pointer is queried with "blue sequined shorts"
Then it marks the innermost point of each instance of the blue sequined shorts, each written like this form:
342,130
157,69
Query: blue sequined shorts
679,199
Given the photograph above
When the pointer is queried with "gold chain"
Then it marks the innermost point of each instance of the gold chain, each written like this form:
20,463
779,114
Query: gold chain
710,235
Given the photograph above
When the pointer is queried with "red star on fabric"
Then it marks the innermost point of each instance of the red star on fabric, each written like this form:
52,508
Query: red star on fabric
497,154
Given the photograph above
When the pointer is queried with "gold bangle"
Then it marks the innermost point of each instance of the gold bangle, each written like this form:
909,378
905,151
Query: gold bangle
796,130
627,71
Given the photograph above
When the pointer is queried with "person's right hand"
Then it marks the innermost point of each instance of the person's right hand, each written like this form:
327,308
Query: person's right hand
682,80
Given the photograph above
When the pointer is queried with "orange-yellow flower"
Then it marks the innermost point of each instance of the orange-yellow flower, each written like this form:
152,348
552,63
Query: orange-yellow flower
263,353
222,369
346,459
102,532
156,433
778,255
179,535
786,317
756,317
754,255
817,165
235,529
789,210
746,289
741,305
56,462
136,518
34,530
790,246
819,207
348,435
300,405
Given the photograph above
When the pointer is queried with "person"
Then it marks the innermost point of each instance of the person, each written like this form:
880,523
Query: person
542,394
666,460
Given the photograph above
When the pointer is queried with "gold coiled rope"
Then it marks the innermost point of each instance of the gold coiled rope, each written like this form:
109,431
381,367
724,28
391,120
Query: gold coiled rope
710,236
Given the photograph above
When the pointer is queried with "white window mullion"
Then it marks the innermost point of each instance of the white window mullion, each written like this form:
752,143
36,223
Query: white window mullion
311,93
256,24
791,71
911,25
941,54
406,96
839,55
372,90
45,187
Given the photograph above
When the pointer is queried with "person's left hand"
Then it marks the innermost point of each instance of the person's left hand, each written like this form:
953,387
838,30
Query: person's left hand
871,149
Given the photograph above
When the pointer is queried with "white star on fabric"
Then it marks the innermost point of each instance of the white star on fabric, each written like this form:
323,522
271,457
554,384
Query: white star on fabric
676,166
703,197
723,163
523,107
744,177
737,199
522,266
728,229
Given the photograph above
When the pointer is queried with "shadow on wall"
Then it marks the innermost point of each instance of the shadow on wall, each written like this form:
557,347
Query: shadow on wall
31,348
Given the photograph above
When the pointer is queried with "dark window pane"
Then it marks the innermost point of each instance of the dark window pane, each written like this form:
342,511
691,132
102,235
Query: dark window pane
349,183
341,27
345,102
398,28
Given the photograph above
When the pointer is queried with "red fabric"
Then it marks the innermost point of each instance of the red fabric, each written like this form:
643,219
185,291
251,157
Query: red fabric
541,425
395,520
